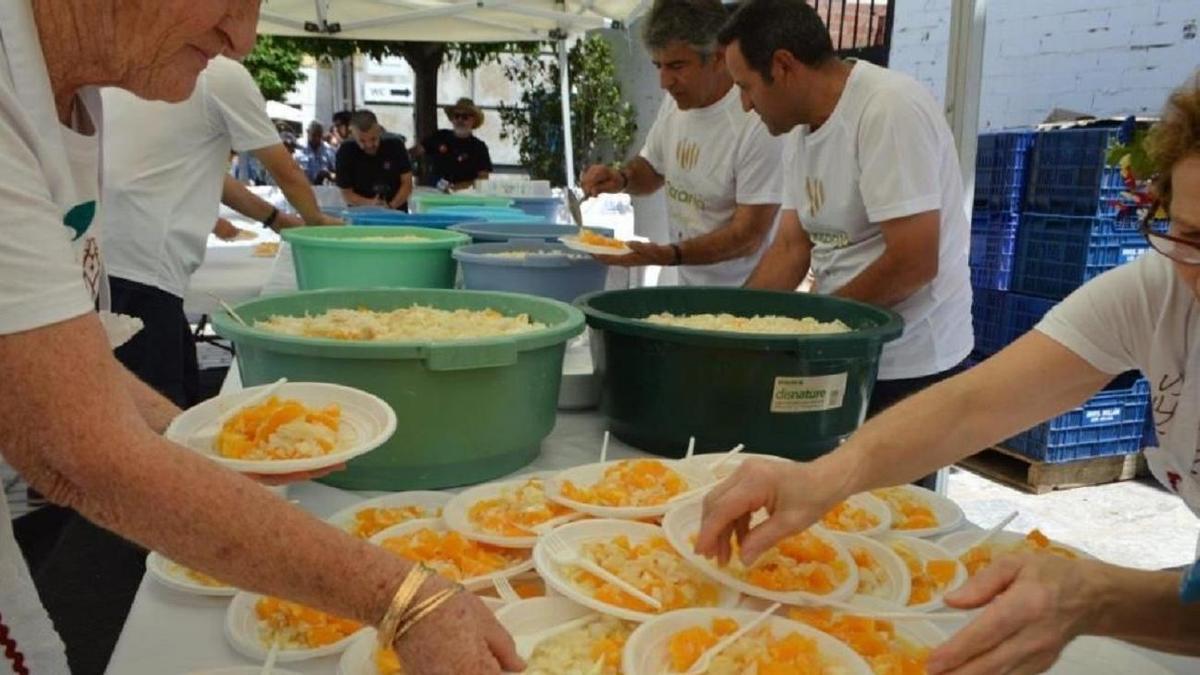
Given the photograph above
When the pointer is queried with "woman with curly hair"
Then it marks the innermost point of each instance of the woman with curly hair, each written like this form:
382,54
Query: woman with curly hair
1145,316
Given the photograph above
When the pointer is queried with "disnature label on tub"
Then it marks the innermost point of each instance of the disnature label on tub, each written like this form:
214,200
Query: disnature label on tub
808,394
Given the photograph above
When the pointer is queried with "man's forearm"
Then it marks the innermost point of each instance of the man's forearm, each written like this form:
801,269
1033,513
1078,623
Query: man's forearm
1144,608
743,236
155,409
782,268
885,283
237,197
642,179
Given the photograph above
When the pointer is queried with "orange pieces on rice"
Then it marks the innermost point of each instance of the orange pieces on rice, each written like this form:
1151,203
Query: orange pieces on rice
638,482
517,511
875,640
300,627
452,555
280,429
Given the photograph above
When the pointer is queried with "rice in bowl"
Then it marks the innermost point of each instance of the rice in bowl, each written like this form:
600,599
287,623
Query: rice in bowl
769,324
415,323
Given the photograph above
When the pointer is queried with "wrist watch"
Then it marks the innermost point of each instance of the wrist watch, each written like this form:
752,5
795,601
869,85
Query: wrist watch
678,259
269,221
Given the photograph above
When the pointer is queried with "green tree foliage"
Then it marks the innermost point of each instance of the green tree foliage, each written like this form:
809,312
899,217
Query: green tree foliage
275,65
603,124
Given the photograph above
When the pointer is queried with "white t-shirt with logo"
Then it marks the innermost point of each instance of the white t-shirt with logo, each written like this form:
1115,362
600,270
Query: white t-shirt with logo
886,152
163,171
713,159
1141,315
50,268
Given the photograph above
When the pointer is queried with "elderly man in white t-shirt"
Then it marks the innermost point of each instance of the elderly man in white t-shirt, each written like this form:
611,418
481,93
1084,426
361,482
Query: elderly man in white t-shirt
161,191
719,165
873,198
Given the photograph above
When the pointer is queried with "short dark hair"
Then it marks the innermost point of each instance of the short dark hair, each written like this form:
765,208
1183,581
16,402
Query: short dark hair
341,117
363,120
692,22
316,126
762,27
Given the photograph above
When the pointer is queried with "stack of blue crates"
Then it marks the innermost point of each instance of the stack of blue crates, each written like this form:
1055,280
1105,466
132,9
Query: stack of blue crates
1037,234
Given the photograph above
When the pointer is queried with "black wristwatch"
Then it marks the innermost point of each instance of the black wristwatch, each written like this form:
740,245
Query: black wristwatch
269,221
678,260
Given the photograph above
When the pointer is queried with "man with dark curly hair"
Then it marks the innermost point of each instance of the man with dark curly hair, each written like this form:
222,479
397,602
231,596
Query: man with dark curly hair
1143,315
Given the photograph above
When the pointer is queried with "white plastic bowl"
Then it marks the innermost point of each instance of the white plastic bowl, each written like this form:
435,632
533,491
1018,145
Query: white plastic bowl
584,476
955,541
359,657
572,242
585,531
899,582
437,525
949,514
683,523
457,513
646,650
427,500
367,422
242,631
873,505
167,572
927,550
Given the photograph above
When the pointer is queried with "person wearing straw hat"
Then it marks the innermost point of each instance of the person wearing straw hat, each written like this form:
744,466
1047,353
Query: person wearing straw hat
82,429
455,157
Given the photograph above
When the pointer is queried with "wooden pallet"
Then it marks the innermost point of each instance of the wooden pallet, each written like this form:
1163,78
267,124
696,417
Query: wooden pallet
1030,475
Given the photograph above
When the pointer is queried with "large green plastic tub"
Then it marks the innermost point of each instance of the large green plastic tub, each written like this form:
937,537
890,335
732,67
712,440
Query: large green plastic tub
336,257
424,202
467,411
793,396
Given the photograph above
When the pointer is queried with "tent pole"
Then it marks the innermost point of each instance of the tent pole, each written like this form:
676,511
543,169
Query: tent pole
565,90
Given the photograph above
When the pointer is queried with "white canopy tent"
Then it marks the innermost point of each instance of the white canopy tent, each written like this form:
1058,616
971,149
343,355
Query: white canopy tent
450,21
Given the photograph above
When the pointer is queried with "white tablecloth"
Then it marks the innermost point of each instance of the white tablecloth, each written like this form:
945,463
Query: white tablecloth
230,270
172,633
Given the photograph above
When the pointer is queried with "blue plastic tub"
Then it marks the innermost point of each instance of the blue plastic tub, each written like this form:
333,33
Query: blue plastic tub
536,231
1069,173
492,214
540,207
564,276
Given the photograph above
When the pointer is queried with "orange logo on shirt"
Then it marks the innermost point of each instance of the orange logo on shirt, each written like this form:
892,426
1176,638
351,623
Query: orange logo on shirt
816,195
687,154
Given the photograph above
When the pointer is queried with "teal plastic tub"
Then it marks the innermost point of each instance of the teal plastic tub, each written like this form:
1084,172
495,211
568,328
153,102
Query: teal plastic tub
368,215
336,256
796,396
491,214
467,411
425,202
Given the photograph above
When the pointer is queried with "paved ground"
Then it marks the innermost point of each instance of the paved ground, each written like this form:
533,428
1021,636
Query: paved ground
1131,523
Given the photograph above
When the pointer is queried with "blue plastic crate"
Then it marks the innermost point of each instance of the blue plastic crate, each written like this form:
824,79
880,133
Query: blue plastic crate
1069,175
987,317
1057,254
993,244
1111,423
1022,313
1001,170
1149,433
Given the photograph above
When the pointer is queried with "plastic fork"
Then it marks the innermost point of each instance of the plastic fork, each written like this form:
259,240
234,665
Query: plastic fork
563,554
505,590
986,536
269,665
225,306
726,457
709,654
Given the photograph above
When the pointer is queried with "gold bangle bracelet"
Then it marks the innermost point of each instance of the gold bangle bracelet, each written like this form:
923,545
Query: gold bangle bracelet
401,601
425,608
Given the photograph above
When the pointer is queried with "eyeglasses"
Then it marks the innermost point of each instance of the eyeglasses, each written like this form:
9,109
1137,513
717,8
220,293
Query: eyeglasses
1177,249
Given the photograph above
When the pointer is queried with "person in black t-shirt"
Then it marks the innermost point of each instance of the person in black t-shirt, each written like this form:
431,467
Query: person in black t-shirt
373,168
454,155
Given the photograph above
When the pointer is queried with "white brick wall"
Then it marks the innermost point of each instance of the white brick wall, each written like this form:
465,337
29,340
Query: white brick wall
1105,57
